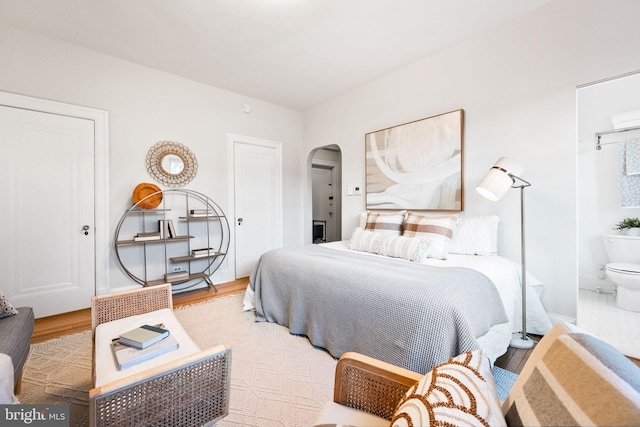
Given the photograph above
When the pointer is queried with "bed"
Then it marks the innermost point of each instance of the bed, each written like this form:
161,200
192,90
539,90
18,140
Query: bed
413,312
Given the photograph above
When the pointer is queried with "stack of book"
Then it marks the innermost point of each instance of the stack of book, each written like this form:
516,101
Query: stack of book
202,252
176,276
201,212
142,343
141,237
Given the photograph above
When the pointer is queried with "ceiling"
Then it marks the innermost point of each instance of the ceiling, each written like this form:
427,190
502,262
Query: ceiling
294,53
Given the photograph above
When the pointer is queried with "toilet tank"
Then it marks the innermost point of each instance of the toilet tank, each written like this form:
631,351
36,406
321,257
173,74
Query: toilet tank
622,248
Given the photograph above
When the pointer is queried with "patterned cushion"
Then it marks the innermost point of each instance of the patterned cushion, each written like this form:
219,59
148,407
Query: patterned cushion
390,223
460,392
366,241
6,309
477,235
438,229
580,380
409,248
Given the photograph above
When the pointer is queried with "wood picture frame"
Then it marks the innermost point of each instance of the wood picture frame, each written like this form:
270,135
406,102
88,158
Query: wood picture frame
417,165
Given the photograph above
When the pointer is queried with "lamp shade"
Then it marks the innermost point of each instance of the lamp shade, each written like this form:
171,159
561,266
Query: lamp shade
499,178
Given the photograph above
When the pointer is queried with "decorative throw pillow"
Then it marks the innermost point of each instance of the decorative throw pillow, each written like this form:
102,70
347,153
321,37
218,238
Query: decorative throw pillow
580,380
6,309
439,229
410,248
459,392
366,241
389,223
477,235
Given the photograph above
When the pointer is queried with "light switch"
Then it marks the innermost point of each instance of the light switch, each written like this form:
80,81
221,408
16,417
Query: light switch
350,190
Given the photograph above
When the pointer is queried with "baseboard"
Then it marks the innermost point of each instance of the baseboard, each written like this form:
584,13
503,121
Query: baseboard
558,318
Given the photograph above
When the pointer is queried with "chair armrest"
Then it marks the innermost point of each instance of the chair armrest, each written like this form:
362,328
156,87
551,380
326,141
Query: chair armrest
370,385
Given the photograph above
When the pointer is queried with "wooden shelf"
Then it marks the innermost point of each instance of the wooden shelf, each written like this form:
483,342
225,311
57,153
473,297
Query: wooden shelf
195,258
139,242
190,277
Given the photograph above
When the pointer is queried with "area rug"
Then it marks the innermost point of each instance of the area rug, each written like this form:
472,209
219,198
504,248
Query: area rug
277,379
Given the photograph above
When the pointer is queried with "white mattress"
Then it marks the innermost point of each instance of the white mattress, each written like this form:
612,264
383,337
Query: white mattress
505,274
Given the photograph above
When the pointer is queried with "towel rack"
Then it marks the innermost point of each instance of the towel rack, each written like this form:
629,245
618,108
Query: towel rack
607,132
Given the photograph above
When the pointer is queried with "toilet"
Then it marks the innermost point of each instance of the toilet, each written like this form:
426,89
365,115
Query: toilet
624,269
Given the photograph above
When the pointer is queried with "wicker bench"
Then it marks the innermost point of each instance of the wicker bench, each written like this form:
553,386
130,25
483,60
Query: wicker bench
190,391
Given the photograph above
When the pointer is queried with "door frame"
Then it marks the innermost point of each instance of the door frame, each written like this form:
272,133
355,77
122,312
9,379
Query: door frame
101,170
232,139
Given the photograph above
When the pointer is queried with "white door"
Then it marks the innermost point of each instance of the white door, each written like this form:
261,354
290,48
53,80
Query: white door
47,252
257,201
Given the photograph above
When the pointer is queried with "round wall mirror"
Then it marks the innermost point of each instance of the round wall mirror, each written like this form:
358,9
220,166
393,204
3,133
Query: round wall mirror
171,163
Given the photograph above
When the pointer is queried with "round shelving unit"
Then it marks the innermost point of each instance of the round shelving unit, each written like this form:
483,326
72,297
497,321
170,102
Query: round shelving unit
182,241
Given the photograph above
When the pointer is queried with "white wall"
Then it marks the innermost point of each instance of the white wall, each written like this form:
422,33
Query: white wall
146,106
517,84
598,191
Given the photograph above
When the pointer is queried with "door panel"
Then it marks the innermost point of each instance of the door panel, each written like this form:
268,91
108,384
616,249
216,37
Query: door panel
47,260
257,210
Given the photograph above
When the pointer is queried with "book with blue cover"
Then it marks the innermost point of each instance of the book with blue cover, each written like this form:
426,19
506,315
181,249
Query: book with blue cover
127,356
143,336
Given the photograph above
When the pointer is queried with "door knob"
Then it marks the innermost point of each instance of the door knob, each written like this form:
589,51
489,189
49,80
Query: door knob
86,228
239,221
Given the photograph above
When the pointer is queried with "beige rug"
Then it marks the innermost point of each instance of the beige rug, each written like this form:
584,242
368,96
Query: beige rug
277,379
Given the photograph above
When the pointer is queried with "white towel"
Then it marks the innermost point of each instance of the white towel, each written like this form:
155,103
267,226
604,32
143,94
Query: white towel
629,184
632,157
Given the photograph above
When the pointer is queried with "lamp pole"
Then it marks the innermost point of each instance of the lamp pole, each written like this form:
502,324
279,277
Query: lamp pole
524,341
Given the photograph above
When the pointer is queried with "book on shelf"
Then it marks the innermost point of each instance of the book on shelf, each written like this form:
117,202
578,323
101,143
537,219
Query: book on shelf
172,229
143,336
140,237
177,275
201,211
202,252
129,356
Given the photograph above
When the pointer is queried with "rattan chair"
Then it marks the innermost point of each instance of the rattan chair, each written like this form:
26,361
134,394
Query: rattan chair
370,385
190,391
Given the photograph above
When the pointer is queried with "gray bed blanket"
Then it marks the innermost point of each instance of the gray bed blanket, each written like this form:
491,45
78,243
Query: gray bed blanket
411,315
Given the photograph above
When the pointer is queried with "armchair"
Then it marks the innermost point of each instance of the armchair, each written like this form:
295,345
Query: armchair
570,378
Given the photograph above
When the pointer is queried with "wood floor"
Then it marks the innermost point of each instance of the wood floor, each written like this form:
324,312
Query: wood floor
47,328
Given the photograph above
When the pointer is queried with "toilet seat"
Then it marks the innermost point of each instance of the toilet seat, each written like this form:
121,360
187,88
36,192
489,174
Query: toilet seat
624,268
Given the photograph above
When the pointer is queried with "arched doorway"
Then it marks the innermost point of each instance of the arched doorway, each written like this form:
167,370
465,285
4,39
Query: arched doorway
326,194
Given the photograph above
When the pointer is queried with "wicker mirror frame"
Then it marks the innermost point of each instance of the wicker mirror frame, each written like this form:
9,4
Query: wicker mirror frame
162,149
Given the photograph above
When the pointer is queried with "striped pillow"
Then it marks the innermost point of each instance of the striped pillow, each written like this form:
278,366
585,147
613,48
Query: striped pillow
409,248
388,223
579,381
460,392
366,241
439,229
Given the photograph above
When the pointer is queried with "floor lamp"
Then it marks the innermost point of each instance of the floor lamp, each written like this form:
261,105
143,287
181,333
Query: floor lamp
502,176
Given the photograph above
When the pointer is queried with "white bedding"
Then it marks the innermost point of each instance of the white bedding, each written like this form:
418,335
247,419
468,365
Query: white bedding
505,274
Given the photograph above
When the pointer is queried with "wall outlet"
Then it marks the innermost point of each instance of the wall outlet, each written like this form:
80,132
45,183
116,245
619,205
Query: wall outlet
177,269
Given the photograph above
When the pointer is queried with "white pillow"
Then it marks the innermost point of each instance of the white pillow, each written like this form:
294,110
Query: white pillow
366,241
410,248
476,235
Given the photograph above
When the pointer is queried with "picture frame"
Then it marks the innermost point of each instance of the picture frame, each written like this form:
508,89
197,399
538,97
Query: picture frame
417,165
